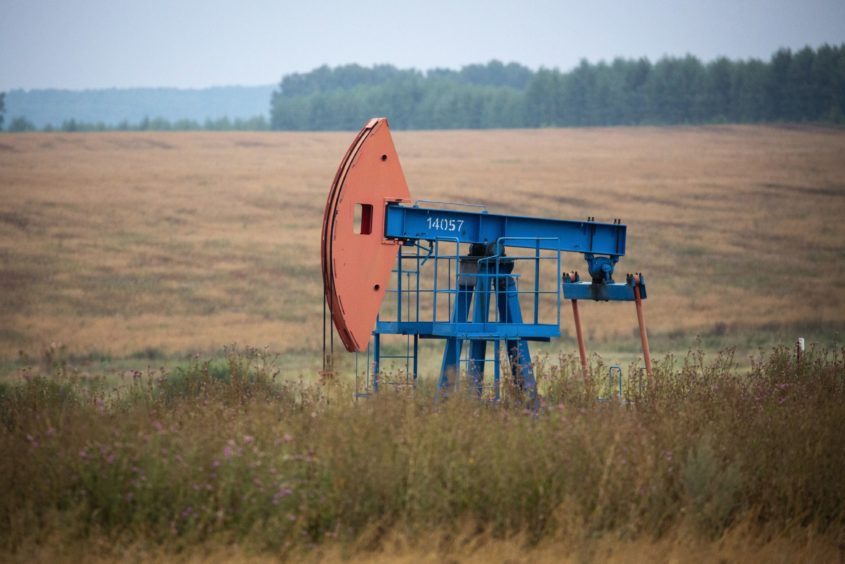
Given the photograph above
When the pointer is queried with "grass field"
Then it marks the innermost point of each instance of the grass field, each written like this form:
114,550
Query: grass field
129,260
120,245
705,462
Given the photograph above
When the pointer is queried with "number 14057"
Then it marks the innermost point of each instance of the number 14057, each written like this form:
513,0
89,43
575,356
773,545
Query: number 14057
444,224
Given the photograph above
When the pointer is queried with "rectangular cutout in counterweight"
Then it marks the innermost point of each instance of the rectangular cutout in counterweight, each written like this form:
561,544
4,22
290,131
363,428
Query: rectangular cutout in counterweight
363,220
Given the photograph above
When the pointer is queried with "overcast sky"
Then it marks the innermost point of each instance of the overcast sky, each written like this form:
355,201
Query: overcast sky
115,43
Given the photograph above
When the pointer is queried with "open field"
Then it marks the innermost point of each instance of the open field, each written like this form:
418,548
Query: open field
160,244
123,251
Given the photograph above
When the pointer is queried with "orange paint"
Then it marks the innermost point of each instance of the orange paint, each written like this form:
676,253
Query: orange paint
641,322
357,260
579,335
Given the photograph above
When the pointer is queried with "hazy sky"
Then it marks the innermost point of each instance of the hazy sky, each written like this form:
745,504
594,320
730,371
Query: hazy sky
118,43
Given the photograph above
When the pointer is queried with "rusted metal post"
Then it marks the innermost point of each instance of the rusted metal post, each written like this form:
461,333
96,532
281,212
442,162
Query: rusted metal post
641,320
582,351
579,335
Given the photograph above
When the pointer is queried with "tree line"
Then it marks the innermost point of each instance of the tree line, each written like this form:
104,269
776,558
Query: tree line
136,107
257,123
807,85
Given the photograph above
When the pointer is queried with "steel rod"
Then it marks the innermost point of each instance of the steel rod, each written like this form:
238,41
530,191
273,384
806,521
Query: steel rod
641,321
579,335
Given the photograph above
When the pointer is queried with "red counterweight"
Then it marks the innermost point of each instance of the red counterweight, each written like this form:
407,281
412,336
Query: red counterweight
356,258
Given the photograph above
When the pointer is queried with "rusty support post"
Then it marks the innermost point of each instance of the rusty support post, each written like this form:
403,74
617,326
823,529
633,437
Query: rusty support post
582,351
641,320
579,335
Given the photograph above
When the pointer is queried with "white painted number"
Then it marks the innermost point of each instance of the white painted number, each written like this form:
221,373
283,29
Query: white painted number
444,224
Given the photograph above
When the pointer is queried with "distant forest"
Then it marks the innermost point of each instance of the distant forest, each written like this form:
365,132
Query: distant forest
220,107
792,86
807,85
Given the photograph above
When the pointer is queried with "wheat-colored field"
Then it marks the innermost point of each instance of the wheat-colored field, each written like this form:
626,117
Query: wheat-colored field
168,243
142,246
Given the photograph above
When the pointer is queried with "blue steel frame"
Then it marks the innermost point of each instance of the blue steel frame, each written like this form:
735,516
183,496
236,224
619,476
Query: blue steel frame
471,282
415,223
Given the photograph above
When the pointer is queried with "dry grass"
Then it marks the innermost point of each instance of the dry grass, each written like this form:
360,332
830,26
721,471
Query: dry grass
737,545
705,462
122,243
143,245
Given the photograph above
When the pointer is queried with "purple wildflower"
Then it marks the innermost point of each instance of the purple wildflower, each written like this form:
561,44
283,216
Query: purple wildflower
282,493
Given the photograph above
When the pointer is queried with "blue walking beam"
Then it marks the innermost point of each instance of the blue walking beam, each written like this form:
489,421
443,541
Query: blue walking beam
415,223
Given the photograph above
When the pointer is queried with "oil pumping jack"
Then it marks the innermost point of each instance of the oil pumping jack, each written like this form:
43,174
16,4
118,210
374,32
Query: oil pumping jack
442,265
